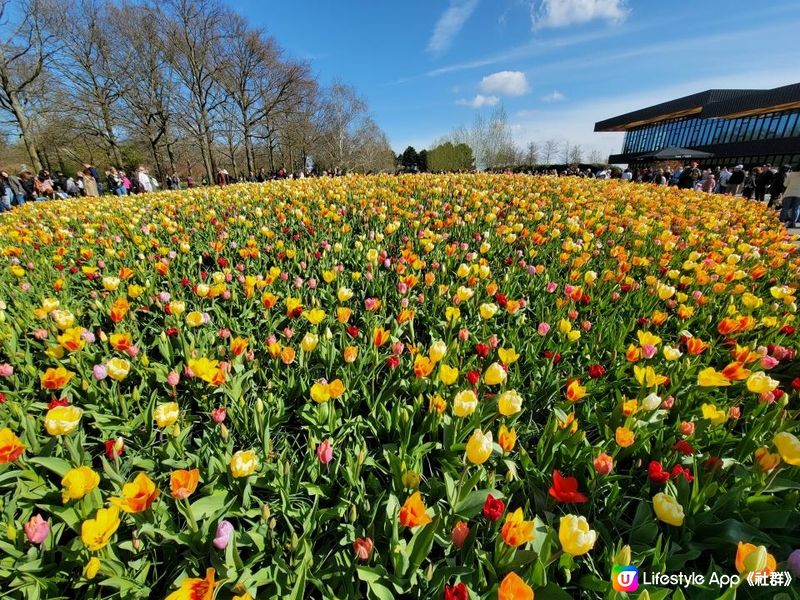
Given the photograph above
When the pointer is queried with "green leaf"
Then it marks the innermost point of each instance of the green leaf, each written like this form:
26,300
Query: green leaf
210,505
420,545
474,501
551,591
59,466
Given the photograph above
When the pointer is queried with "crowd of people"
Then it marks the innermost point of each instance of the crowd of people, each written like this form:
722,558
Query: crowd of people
778,188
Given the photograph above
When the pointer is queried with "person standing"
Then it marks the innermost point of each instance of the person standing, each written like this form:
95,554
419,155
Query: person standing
709,183
763,182
90,188
724,176
736,180
13,188
777,187
26,181
790,211
145,185
749,185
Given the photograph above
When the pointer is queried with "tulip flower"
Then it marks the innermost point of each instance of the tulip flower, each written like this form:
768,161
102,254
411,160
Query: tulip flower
11,447
516,530
460,534
137,496
363,548
412,513
193,588
575,536
668,509
788,447
479,447
91,568
465,403
95,533
509,403
754,559
565,489
36,529
222,536
62,420
495,374
514,588
166,414
458,591
183,483
78,482
493,508
325,452
243,463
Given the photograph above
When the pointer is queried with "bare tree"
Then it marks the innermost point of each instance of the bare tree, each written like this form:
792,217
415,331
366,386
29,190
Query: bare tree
532,153
82,54
23,54
148,98
341,111
596,157
196,30
549,149
575,155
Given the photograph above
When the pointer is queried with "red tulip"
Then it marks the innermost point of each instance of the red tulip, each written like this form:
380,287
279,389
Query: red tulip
657,473
363,548
565,489
596,371
458,591
493,508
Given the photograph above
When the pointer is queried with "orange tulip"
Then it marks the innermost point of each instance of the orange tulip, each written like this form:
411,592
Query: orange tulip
412,513
380,336
695,346
287,355
183,483
575,391
735,372
238,345
138,495
55,379
423,366
514,588
743,551
728,326
193,588
10,446
516,530
119,309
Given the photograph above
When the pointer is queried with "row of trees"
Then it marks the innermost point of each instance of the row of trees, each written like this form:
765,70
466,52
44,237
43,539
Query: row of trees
185,85
489,144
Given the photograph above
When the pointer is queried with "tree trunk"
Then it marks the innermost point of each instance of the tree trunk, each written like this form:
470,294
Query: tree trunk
248,149
112,140
25,132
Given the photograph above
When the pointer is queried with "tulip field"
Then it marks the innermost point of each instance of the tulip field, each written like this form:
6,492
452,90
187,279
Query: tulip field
425,386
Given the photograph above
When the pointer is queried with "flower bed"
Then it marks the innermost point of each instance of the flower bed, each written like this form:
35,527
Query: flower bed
466,386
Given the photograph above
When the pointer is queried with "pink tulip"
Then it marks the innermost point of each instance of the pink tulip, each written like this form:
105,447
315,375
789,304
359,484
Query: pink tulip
6,370
543,329
218,414
325,452
768,362
222,537
173,378
36,529
99,372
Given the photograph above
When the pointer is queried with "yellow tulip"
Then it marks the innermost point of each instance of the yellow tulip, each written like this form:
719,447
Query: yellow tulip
668,509
508,356
194,318
96,532
78,482
465,403
479,447
91,568
447,374
488,310
575,535
118,368
437,351
243,463
166,414
710,377
759,383
714,414
309,343
509,403
495,374
62,420
788,447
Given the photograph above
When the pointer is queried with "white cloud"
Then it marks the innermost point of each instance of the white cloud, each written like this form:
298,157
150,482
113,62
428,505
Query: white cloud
505,83
479,101
554,96
562,13
450,23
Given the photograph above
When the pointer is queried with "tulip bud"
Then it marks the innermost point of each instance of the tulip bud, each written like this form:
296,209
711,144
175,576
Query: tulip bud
511,474
136,395
223,432
362,455
353,513
265,512
136,542
11,532
176,430
623,557
259,406
273,523
293,542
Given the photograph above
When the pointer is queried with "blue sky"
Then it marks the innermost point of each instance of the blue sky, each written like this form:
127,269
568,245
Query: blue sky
556,66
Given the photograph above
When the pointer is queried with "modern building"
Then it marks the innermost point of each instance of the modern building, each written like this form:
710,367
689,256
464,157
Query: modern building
749,127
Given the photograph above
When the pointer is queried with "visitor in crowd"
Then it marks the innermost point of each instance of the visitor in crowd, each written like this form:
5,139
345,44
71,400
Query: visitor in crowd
95,175
735,180
790,209
222,177
90,188
16,194
777,186
145,184
709,183
724,176
749,184
627,175
763,182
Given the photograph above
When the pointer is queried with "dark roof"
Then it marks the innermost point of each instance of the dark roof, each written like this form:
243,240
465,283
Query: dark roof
711,103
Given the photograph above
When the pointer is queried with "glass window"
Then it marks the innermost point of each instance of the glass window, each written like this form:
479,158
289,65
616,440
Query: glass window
757,131
791,121
782,120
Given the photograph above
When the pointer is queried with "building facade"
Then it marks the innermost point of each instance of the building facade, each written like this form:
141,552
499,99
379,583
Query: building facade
749,127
